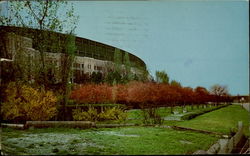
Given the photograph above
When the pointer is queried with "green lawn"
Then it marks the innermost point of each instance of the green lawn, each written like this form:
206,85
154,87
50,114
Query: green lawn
221,120
165,111
128,140
121,141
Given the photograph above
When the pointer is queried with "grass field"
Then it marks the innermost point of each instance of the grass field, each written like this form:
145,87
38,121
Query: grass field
165,111
135,115
221,120
130,140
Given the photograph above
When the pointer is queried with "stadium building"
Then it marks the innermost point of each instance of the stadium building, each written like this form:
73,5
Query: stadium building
90,56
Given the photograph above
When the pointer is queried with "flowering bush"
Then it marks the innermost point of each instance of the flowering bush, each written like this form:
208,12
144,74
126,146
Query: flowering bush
28,103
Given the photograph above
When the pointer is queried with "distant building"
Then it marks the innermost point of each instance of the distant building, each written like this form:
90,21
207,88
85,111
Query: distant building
91,56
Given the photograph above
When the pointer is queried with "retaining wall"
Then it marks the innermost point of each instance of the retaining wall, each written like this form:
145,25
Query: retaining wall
225,146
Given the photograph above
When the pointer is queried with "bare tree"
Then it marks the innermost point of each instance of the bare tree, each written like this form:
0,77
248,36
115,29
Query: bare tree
219,91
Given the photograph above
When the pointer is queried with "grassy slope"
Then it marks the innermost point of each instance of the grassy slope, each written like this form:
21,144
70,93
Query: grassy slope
221,120
130,140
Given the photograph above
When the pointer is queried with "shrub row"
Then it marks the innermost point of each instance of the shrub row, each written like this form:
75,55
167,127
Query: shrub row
200,112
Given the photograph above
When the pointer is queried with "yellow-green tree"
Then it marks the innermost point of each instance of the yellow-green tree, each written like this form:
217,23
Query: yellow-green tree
28,103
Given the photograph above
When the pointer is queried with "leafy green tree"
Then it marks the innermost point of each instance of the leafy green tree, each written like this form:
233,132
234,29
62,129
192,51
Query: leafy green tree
175,83
162,77
118,59
113,77
96,77
67,72
128,75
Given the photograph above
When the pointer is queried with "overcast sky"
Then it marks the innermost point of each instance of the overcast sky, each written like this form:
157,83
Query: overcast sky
198,43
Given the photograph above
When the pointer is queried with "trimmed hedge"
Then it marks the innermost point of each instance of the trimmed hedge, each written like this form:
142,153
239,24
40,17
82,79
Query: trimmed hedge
200,112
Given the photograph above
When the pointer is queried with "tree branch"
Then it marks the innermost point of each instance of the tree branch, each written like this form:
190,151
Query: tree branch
45,11
28,4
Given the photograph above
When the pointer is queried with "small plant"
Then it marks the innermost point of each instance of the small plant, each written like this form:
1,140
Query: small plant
114,113
151,116
90,115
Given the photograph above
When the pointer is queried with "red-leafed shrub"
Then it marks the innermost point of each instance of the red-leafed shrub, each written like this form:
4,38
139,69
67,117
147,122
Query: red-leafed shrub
138,92
121,93
93,93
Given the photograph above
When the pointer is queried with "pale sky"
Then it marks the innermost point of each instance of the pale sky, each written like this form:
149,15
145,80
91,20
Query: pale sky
198,43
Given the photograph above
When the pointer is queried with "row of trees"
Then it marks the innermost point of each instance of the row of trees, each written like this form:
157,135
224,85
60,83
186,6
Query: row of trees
138,94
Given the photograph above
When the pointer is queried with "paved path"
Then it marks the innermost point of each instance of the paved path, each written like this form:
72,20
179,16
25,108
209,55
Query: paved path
245,105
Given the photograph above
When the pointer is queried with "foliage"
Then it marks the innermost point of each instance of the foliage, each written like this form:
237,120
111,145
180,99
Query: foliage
113,77
144,95
26,103
127,64
161,77
151,116
114,113
45,16
96,77
90,115
117,59
66,71
175,83
92,93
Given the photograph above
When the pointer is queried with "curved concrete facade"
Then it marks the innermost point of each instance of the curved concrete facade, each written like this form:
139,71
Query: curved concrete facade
84,47
91,56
